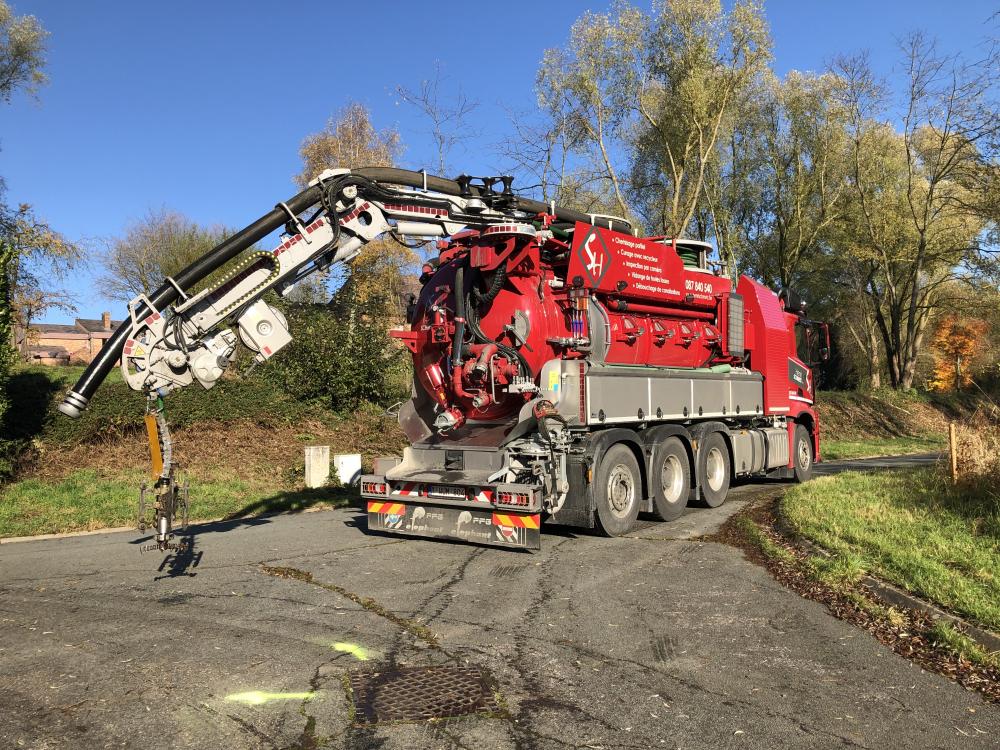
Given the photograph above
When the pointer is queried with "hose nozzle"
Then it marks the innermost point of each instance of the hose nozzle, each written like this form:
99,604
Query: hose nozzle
73,404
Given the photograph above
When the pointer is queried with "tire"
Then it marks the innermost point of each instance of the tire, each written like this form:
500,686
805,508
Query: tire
670,477
618,490
714,470
802,454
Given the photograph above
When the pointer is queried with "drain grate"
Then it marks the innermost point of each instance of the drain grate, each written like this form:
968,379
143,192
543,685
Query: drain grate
420,693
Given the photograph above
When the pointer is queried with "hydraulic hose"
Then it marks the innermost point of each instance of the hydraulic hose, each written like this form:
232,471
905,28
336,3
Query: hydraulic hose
76,400
393,176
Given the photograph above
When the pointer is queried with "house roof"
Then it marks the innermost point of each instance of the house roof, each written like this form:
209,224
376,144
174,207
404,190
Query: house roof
54,328
95,326
81,327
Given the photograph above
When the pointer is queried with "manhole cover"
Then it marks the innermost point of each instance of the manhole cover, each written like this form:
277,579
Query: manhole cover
420,693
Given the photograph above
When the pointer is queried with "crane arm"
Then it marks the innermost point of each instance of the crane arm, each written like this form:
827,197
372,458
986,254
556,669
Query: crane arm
172,337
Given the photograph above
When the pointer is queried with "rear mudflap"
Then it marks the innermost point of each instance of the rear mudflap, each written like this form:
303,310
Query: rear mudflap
518,530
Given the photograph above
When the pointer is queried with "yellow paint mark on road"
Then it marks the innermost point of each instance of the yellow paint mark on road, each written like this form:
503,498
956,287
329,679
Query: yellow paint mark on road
358,652
260,697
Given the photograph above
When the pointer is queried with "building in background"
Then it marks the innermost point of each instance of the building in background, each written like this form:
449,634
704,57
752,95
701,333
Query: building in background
63,344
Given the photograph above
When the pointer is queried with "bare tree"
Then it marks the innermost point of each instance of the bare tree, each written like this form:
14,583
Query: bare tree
448,117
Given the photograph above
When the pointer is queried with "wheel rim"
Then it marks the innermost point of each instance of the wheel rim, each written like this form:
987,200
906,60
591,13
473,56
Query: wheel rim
672,479
621,490
715,469
804,455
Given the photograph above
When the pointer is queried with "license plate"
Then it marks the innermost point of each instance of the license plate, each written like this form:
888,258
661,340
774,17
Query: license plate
443,490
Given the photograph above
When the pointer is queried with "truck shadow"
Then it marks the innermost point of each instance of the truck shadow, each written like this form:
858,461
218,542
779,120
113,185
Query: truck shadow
296,501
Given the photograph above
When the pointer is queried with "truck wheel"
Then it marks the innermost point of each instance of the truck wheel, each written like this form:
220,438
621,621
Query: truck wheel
670,476
802,452
617,490
714,467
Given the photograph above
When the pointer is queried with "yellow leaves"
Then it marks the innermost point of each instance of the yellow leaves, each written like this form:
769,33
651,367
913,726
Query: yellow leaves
955,345
348,140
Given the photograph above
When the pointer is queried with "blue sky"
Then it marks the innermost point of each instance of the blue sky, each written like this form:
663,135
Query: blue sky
200,107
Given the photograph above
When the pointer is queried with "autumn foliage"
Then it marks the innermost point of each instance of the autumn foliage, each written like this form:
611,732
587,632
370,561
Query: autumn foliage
955,345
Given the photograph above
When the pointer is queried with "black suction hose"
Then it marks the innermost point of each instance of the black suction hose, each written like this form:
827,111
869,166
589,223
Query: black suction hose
459,341
76,400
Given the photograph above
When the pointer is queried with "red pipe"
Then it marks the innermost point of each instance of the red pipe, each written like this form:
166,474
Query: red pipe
673,312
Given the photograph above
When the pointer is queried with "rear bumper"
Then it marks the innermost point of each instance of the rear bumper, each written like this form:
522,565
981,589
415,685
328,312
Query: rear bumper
411,509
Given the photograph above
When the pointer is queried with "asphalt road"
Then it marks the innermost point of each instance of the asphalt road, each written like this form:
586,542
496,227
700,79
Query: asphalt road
653,640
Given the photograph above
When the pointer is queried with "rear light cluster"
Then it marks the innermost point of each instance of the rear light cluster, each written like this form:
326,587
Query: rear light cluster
522,499
374,488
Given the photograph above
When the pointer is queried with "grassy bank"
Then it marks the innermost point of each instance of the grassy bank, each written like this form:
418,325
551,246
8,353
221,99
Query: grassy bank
88,499
911,528
883,423
241,445
834,449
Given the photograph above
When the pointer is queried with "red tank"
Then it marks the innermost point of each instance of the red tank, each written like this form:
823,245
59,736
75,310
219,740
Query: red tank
529,297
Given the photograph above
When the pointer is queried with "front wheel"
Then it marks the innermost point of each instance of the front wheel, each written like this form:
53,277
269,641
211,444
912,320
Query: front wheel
617,490
714,469
802,452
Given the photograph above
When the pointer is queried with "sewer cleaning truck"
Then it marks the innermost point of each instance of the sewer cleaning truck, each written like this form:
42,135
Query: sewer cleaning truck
565,370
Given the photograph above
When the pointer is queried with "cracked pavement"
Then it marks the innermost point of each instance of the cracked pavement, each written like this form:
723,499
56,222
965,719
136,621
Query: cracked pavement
653,640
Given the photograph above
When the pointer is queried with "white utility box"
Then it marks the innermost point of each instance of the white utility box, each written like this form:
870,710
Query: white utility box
348,467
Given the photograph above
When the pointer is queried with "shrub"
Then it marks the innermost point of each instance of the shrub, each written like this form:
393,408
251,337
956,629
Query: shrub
344,362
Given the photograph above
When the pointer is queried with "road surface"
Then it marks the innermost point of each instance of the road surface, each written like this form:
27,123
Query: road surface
652,640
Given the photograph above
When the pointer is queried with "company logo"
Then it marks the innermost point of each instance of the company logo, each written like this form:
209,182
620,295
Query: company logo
594,255
394,520
798,374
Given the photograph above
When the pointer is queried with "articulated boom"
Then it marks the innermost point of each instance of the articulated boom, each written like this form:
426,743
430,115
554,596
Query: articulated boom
194,339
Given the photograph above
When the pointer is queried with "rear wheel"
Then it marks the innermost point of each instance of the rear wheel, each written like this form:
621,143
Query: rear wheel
671,479
617,490
714,468
802,453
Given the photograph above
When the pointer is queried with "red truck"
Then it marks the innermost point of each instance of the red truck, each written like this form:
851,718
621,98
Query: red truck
565,369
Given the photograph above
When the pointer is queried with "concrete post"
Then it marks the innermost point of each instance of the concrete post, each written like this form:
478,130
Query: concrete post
317,465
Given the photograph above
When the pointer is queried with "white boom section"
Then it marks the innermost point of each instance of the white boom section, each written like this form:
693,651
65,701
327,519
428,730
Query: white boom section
188,342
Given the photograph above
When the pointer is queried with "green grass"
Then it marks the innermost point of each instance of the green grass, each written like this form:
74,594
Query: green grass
833,450
945,634
911,528
86,500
